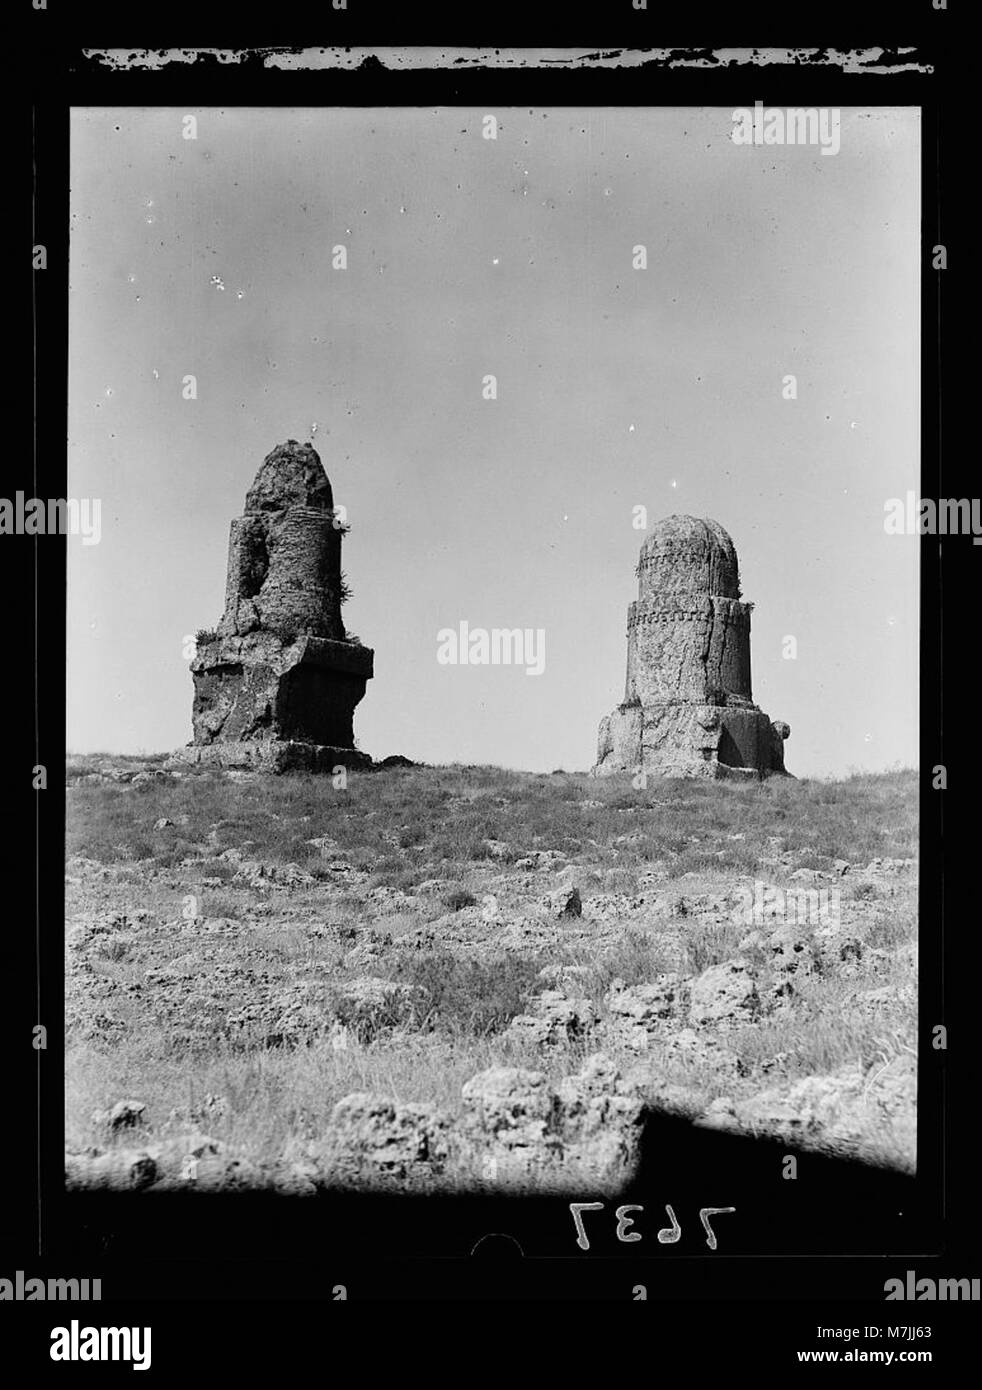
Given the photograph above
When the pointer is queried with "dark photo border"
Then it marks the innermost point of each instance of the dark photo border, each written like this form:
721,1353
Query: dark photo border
841,1229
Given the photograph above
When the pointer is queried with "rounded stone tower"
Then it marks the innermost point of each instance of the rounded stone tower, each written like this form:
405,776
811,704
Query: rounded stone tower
688,704
687,554
688,634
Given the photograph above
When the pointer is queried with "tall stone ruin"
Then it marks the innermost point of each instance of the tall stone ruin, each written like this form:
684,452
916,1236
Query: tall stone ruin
688,710
275,687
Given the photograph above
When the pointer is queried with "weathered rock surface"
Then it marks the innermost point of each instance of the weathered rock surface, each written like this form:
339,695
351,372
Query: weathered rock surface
564,903
125,1114
555,1018
724,995
834,1112
517,1128
372,1137
119,1169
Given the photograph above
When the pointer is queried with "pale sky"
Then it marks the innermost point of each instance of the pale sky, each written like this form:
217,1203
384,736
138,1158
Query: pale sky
616,388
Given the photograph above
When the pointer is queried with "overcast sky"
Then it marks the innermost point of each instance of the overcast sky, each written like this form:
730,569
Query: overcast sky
617,388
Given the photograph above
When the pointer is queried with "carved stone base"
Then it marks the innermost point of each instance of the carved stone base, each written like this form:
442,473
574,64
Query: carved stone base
268,755
736,742
261,690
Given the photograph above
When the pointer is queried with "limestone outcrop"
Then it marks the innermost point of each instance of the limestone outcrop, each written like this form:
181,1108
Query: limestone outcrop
688,710
276,685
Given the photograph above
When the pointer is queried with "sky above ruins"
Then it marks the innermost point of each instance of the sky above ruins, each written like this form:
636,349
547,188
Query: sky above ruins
618,388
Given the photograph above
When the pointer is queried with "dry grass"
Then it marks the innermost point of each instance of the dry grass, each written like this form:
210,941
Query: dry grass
464,829
396,822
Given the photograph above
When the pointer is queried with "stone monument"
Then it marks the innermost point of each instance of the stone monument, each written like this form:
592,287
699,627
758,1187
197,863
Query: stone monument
275,687
688,710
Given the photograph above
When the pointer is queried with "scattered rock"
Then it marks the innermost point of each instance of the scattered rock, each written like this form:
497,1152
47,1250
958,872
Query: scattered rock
565,977
140,779
510,1103
689,1049
328,846
724,995
371,1136
846,1111
840,950
890,866
540,859
554,1019
125,1114
793,951
564,903
599,1119
120,1169
255,875
587,1129
649,1006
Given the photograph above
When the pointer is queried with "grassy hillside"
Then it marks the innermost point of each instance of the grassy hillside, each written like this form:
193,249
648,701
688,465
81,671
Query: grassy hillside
244,953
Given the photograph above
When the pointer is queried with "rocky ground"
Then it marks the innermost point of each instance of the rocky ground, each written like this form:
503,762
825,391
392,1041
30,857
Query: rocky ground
458,977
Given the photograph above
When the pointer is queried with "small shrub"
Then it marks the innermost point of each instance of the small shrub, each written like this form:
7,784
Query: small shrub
468,997
318,868
620,880
405,877
637,960
219,905
711,945
367,1021
458,898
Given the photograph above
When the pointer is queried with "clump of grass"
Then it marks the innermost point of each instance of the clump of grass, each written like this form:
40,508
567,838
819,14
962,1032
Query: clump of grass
451,811
620,881
318,868
711,944
837,1035
812,860
366,1022
404,878
215,904
468,997
210,869
637,959
893,928
457,898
